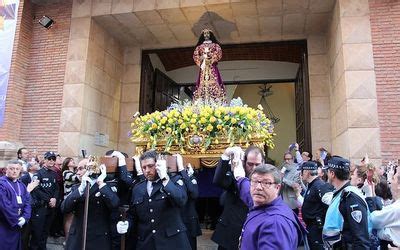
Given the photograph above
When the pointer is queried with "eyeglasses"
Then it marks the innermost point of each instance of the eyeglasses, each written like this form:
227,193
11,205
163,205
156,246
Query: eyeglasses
264,184
288,159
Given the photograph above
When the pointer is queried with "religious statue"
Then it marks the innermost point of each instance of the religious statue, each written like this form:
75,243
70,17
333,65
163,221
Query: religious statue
209,85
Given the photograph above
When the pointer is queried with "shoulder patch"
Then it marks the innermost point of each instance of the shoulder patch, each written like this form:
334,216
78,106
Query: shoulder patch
356,215
97,194
114,189
194,181
180,182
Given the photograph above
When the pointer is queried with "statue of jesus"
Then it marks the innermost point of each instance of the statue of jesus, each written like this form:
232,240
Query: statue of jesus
209,85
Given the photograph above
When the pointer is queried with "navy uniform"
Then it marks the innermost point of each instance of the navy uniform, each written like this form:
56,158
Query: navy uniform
229,226
315,204
101,202
348,214
188,212
43,214
156,219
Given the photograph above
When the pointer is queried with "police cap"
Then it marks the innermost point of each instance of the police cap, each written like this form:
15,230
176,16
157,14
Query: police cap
337,162
309,165
50,155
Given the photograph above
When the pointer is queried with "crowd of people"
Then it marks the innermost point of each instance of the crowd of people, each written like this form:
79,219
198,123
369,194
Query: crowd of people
325,202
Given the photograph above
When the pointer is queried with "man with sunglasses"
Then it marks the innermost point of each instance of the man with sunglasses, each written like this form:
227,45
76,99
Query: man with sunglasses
270,223
47,193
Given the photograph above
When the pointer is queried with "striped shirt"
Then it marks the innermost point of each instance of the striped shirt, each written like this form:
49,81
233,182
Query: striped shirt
70,178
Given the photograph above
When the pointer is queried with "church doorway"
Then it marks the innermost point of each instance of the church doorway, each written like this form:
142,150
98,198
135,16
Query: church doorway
277,71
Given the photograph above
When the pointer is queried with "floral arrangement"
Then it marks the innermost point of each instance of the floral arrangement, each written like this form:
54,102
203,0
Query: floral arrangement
204,124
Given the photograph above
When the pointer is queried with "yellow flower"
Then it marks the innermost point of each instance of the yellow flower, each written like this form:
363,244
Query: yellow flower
163,120
180,121
194,115
169,130
249,116
226,118
210,127
213,119
216,141
154,126
183,126
217,113
219,126
203,120
170,121
193,121
233,120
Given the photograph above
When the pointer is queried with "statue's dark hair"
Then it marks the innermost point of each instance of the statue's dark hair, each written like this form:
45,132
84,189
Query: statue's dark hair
202,39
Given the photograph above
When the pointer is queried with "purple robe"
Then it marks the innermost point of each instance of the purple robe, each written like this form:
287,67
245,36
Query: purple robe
11,211
271,226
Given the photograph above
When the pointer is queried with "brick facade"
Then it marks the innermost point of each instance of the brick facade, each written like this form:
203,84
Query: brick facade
17,81
385,28
43,53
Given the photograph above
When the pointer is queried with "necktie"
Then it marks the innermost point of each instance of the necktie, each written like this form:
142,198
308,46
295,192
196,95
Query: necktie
149,187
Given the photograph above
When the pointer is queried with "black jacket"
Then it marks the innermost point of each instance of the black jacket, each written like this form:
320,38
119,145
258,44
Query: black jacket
48,187
188,212
229,227
101,202
156,219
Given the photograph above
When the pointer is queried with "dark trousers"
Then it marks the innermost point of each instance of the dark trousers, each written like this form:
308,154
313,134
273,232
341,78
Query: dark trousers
314,237
41,220
26,235
192,241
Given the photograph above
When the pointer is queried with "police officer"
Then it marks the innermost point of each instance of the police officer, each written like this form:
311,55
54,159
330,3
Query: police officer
155,211
346,221
46,194
229,226
317,198
101,202
188,212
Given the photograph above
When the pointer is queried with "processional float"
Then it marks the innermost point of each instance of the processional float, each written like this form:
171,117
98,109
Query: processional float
201,129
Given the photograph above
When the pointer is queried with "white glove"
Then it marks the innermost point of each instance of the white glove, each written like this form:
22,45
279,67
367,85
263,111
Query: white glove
229,152
137,165
238,171
161,168
21,221
179,162
122,227
121,158
84,181
103,173
327,198
190,170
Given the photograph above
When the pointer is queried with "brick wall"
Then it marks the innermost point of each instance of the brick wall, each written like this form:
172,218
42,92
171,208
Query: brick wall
385,27
19,63
45,77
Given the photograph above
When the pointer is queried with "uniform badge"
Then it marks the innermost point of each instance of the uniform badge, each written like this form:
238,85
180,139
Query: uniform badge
114,189
97,194
194,181
308,192
357,215
180,182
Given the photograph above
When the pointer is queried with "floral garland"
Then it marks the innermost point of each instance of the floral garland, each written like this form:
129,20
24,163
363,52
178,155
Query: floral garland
236,123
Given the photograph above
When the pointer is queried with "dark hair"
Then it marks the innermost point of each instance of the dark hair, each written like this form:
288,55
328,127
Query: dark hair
341,174
65,163
382,189
151,154
267,169
19,152
309,154
253,148
202,39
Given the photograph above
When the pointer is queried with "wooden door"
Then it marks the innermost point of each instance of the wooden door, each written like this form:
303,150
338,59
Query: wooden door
147,86
166,91
303,116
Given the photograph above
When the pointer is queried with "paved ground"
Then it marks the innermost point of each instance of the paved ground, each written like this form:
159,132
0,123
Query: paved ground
203,242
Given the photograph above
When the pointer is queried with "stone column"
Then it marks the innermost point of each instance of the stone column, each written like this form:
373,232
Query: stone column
129,96
355,128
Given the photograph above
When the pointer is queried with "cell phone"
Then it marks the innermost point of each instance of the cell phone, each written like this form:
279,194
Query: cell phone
292,146
83,153
323,154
